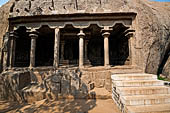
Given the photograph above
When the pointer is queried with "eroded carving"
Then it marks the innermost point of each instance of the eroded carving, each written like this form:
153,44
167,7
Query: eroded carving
32,7
5,42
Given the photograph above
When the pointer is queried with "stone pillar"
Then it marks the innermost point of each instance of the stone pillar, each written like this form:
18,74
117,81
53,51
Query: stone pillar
81,48
56,48
12,36
33,36
85,49
62,50
129,59
106,35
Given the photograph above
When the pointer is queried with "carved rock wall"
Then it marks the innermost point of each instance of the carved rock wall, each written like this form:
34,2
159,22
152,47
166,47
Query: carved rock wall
4,14
46,7
153,25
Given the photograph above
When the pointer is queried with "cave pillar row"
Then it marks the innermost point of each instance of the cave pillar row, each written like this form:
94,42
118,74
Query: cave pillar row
33,36
12,37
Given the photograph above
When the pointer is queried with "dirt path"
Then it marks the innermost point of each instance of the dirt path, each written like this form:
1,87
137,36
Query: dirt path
62,106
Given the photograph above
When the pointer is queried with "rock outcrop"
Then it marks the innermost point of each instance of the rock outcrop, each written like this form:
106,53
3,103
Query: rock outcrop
153,25
4,12
166,69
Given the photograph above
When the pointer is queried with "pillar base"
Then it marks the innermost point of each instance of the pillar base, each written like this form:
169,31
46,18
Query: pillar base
81,67
64,62
87,62
107,66
30,67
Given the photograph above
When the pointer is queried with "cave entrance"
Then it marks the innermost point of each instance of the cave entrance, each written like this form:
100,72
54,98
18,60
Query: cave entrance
22,49
44,55
94,46
119,46
69,46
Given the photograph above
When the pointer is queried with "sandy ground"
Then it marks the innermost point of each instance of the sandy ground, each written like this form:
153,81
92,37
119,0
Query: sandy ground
61,106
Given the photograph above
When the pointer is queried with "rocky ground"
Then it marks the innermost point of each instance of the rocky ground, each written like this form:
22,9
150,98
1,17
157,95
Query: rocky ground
61,106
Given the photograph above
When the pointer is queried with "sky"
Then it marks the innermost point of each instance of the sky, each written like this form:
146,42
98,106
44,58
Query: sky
4,1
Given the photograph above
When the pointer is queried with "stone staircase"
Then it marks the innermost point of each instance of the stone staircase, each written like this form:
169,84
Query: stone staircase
140,93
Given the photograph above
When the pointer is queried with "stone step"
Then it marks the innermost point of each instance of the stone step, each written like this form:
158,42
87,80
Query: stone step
134,76
138,83
160,108
125,91
146,99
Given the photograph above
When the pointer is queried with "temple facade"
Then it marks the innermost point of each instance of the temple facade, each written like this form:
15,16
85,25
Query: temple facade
81,40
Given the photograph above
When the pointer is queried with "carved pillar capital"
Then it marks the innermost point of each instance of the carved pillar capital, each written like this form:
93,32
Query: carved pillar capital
81,34
33,34
106,34
13,35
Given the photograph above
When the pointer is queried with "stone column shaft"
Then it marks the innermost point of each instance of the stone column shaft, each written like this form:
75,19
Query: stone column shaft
62,50
12,49
106,48
32,51
81,48
56,47
86,51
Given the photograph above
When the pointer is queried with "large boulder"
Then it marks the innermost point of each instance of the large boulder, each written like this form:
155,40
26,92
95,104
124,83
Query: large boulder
152,25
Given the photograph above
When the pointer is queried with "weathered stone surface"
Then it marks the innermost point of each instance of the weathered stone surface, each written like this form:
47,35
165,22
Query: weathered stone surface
4,12
166,69
12,83
33,85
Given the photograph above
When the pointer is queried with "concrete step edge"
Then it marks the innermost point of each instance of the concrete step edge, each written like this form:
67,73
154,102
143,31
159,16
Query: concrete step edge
136,97
148,108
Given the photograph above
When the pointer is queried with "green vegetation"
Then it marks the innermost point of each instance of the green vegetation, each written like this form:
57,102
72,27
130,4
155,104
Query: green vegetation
164,79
